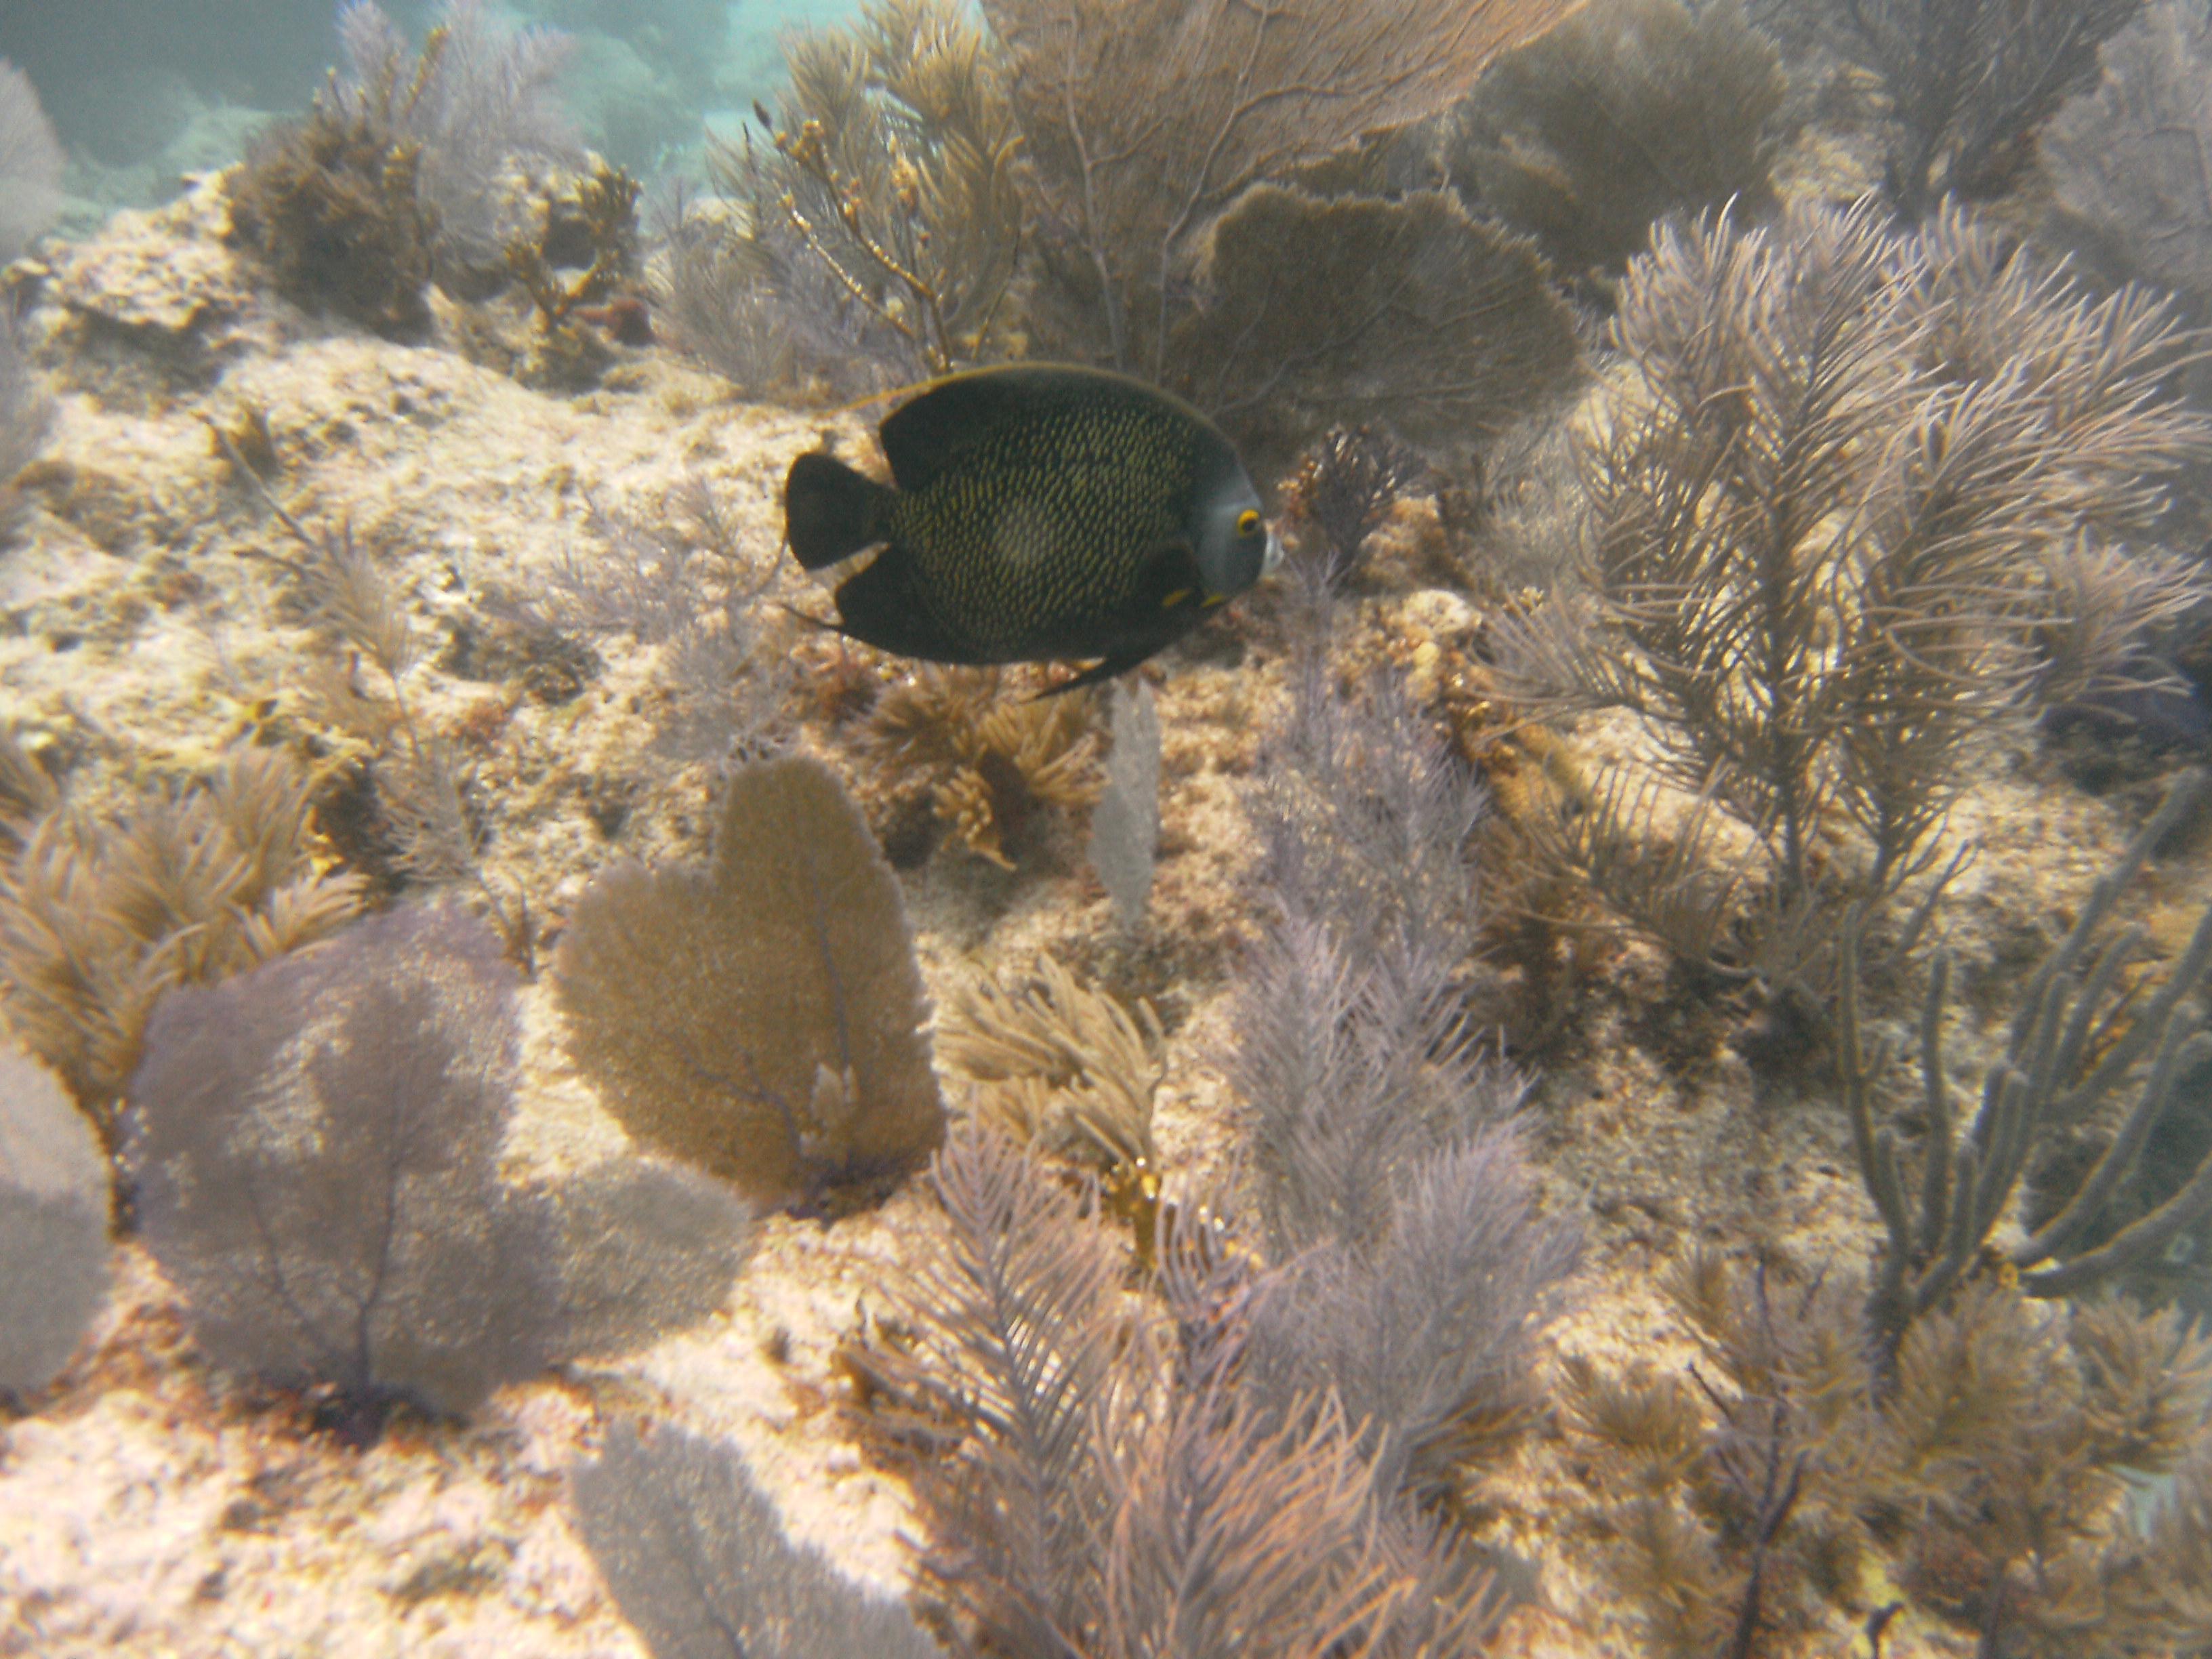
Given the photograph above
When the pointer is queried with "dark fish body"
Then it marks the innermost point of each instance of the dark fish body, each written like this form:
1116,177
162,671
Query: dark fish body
1040,513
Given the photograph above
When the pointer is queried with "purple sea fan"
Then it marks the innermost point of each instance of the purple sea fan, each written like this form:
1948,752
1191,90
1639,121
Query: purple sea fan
316,1150
315,1146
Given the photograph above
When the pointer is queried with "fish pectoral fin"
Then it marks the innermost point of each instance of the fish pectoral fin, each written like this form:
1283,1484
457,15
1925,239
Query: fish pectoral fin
1170,575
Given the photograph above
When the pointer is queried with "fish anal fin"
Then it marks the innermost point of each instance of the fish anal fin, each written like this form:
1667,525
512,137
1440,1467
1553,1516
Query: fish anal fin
877,607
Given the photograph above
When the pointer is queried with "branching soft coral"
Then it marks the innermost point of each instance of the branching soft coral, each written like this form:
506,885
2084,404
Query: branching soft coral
98,918
893,172
1987,1477
1118,1491
1063,1067
1836,516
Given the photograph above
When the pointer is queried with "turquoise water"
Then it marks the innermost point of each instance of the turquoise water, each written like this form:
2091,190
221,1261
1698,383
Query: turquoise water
145,92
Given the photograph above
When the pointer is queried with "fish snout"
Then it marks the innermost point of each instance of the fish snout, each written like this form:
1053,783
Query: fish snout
1273,557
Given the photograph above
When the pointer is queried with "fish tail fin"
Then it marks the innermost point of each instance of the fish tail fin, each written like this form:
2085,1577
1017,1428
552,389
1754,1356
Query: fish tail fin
830,511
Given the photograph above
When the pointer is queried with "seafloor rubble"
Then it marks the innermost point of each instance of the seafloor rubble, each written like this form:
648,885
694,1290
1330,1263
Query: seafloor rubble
152,1506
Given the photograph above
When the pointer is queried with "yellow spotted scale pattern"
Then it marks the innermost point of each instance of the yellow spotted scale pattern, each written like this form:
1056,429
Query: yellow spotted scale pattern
1050,519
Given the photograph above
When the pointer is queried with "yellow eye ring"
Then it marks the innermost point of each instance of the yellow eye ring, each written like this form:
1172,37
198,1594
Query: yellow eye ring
1248,522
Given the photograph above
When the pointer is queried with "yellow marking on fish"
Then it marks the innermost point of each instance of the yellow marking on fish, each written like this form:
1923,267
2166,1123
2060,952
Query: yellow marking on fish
1213,599
1175,598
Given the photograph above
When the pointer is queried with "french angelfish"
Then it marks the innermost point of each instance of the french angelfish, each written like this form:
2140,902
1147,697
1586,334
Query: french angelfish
1040,513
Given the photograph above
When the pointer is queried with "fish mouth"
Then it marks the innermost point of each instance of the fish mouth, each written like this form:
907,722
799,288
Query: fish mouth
1273,559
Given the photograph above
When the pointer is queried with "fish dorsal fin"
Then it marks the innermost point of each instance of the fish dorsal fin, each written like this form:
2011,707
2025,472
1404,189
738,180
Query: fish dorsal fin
922,436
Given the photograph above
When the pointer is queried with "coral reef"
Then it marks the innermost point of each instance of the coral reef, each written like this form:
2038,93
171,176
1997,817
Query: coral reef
414,779
1108,1447
1630,111
53,1226
1405,312
2065,1053
26,416
394,176
331,204
894,170
1356,1232
679,579
986,760
2126,154
1362,818
1966,84
603,211
762,1017
1987,1482
1339,495
714,298
315,1147
480,99
1792,672
1140,141
1063,1068
100,917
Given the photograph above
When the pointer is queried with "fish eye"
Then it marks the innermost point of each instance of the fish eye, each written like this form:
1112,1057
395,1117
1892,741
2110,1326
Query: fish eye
1248,523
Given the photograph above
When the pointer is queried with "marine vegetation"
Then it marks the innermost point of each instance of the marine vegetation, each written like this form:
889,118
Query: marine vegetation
193,882
1955,1436
1966,84
419,826
761,1018
1106,1443
2126,155
1173,239
601,214
1984,1487
2125,1216
331,203
1006,540
1404,313
30,165
1310,1379
697,1557
1628,113
1859,502
1064,1069
893,171
1341,494
480,100
394,175
675,576
316,1150
1365,820
1387,1185
714,299
53,1226
988,761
